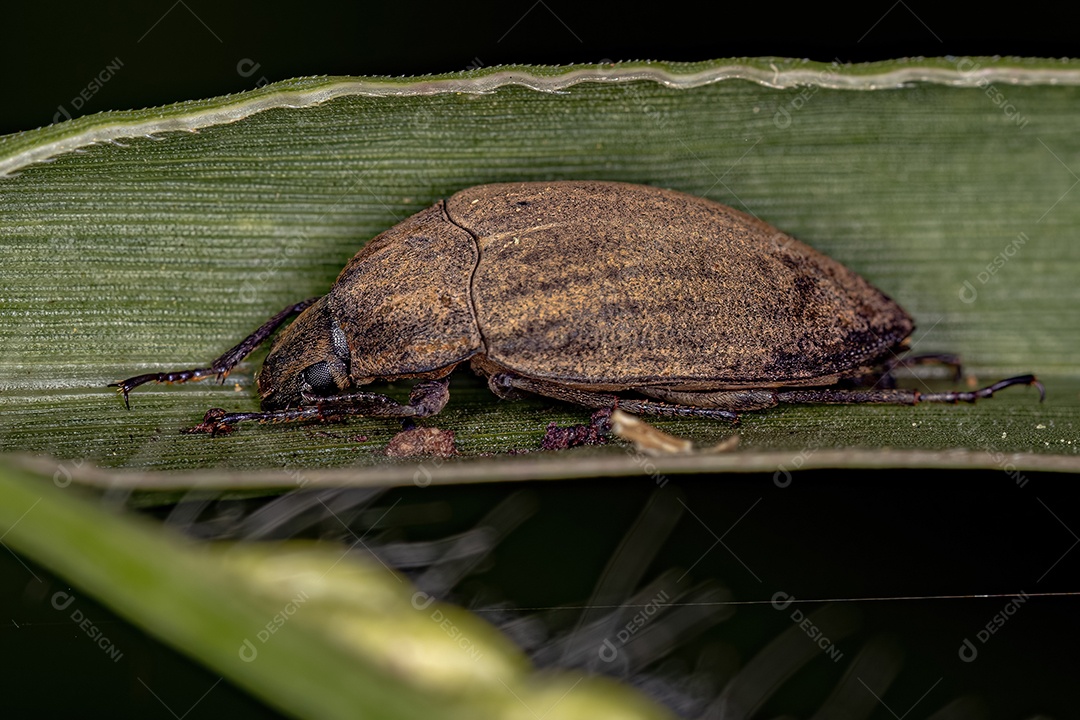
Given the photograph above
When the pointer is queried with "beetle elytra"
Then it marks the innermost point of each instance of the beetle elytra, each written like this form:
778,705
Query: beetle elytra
595,293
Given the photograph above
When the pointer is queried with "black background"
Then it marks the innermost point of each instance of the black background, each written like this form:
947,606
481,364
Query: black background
173,51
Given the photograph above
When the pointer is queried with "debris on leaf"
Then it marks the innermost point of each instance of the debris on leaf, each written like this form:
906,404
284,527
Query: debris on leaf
422,441
726,445
649,440
595,433
646,438
211,424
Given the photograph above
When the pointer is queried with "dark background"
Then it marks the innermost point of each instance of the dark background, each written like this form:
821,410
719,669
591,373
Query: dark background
172,51
830,534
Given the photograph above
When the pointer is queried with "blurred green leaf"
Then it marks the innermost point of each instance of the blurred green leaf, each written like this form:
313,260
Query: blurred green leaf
309,628
155,239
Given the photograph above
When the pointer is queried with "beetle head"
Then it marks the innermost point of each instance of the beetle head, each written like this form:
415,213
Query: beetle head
309,360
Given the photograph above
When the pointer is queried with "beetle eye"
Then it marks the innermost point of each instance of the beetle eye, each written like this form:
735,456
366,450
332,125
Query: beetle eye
320,381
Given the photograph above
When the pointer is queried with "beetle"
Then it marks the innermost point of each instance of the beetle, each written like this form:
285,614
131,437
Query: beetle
597,293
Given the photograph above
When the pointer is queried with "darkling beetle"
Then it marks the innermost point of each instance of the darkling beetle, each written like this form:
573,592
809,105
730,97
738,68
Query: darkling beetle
601,294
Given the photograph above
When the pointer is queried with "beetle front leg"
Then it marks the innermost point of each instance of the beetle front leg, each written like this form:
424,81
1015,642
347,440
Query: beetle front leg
427,398
224,364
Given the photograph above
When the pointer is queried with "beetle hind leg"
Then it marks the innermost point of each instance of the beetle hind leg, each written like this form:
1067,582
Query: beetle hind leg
901,396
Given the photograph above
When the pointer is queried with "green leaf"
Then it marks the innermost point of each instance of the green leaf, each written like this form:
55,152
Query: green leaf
307,627
155,239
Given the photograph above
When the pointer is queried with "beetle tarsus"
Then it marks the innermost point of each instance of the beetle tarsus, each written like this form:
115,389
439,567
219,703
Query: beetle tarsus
176,376
986,392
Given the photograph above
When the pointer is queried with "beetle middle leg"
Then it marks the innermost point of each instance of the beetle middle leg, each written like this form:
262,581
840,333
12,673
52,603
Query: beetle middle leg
224,364
908,361
725,404
428,397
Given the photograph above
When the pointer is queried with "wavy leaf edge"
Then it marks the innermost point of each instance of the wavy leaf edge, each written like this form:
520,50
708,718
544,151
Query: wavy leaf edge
22,150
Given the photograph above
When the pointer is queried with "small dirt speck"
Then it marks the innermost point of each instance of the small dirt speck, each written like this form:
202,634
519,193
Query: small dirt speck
422,441
595,433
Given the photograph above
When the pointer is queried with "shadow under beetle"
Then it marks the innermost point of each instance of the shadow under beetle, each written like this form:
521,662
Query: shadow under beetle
595,293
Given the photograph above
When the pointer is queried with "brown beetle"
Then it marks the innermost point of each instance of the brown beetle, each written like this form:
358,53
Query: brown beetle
596,293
